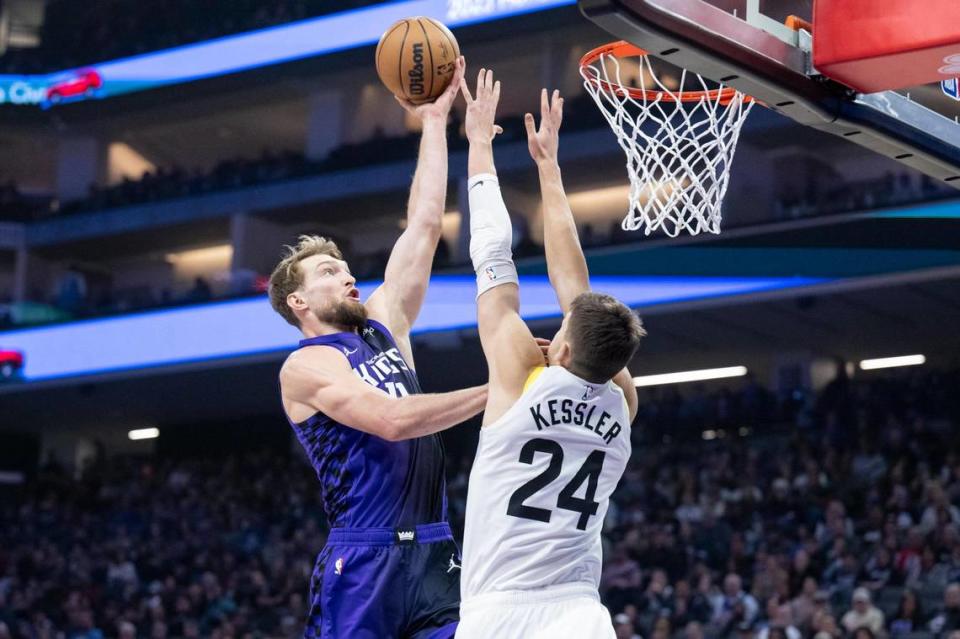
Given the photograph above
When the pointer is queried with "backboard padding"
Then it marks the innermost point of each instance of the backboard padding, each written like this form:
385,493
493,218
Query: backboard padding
711,39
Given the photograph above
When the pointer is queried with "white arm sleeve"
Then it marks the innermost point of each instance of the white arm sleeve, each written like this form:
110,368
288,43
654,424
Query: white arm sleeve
491,234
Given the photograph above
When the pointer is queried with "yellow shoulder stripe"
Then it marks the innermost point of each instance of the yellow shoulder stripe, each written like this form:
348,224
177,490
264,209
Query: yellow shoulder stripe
532,377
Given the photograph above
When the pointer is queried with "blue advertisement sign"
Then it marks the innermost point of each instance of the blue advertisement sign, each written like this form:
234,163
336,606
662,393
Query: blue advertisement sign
248,327
254,49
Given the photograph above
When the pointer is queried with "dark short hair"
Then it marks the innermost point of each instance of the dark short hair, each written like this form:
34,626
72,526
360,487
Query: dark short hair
604,335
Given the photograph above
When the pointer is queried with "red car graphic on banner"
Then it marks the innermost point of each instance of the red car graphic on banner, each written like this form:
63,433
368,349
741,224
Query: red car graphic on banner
11,364
81,85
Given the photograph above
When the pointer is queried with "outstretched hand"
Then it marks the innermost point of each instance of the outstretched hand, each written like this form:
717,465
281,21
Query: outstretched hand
482,108
439,108
544,142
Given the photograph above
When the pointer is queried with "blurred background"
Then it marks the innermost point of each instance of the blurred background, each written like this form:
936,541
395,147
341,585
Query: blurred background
156,156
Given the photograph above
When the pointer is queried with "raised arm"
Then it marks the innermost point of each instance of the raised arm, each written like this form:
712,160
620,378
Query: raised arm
320,379
508,345
397,302
566,264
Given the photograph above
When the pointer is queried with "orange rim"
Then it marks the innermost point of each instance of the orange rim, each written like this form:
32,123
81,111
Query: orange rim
623,49
796,23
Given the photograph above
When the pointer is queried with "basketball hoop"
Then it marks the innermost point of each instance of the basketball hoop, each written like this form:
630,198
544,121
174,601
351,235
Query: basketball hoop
679,143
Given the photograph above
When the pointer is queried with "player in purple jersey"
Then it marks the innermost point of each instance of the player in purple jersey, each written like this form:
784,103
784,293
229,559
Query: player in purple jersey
390,567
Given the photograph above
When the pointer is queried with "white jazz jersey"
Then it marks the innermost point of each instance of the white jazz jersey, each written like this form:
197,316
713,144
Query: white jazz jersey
541,484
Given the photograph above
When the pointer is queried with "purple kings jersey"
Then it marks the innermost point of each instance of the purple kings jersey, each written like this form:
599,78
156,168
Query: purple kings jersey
366,481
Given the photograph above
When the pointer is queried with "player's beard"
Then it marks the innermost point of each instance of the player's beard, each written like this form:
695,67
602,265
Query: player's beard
345,314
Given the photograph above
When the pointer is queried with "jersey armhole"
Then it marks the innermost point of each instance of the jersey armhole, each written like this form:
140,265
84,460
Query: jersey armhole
283,408
623,399
382,328
532,379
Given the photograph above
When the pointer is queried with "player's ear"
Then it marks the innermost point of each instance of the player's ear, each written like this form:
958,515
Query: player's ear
296,301
564,356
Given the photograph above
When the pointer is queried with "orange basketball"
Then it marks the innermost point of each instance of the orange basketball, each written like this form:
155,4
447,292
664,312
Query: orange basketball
416,59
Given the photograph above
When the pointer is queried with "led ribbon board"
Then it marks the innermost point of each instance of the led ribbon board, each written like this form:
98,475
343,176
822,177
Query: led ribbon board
250,50
249,327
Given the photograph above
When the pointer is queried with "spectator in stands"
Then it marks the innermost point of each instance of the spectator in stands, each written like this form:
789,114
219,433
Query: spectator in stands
841,574
909,616
691,607
939,509
949,618
623,627
621,578
864,614
81,624
878,570
825,627
907,561
661,628
804,605
734,607
658,597
779,622
930,574
770,580
801,569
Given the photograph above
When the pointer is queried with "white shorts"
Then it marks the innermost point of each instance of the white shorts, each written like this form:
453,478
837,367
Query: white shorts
560,612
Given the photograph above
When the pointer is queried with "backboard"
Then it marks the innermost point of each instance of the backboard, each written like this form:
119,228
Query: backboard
745,44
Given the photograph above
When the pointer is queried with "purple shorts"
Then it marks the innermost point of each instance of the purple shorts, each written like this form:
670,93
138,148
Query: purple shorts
374,583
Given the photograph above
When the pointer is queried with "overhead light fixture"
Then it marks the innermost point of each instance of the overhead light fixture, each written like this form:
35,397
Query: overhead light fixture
892,362
144,433
221,253
690,376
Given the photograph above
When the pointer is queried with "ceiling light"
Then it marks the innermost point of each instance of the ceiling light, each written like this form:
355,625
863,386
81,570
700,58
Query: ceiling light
690,376
892,362
144,433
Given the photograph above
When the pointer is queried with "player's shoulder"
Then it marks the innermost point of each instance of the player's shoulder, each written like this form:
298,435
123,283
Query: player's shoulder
310,360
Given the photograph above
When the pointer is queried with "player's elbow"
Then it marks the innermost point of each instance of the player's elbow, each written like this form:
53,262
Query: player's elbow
388,418
427,223
397,426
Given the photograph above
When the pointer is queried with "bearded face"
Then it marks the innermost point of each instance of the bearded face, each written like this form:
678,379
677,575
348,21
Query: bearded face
348,313
329,293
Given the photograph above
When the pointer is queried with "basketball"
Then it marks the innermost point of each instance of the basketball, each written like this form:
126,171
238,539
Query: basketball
416,58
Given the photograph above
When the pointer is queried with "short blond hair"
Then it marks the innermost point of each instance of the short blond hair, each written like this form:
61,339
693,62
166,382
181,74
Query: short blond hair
287,276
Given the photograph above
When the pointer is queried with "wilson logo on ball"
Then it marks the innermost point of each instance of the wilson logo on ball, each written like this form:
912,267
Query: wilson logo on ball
416,73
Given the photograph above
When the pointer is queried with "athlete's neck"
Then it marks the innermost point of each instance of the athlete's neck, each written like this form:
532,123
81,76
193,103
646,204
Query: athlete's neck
317,328
584,375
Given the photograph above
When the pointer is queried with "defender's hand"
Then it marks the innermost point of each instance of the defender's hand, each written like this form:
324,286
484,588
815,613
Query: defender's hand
482,109
545,142
544,345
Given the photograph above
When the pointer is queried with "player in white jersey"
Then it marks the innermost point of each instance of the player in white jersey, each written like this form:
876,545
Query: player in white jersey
555,440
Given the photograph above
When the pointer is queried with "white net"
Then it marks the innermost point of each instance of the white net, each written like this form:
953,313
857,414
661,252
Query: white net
678,152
